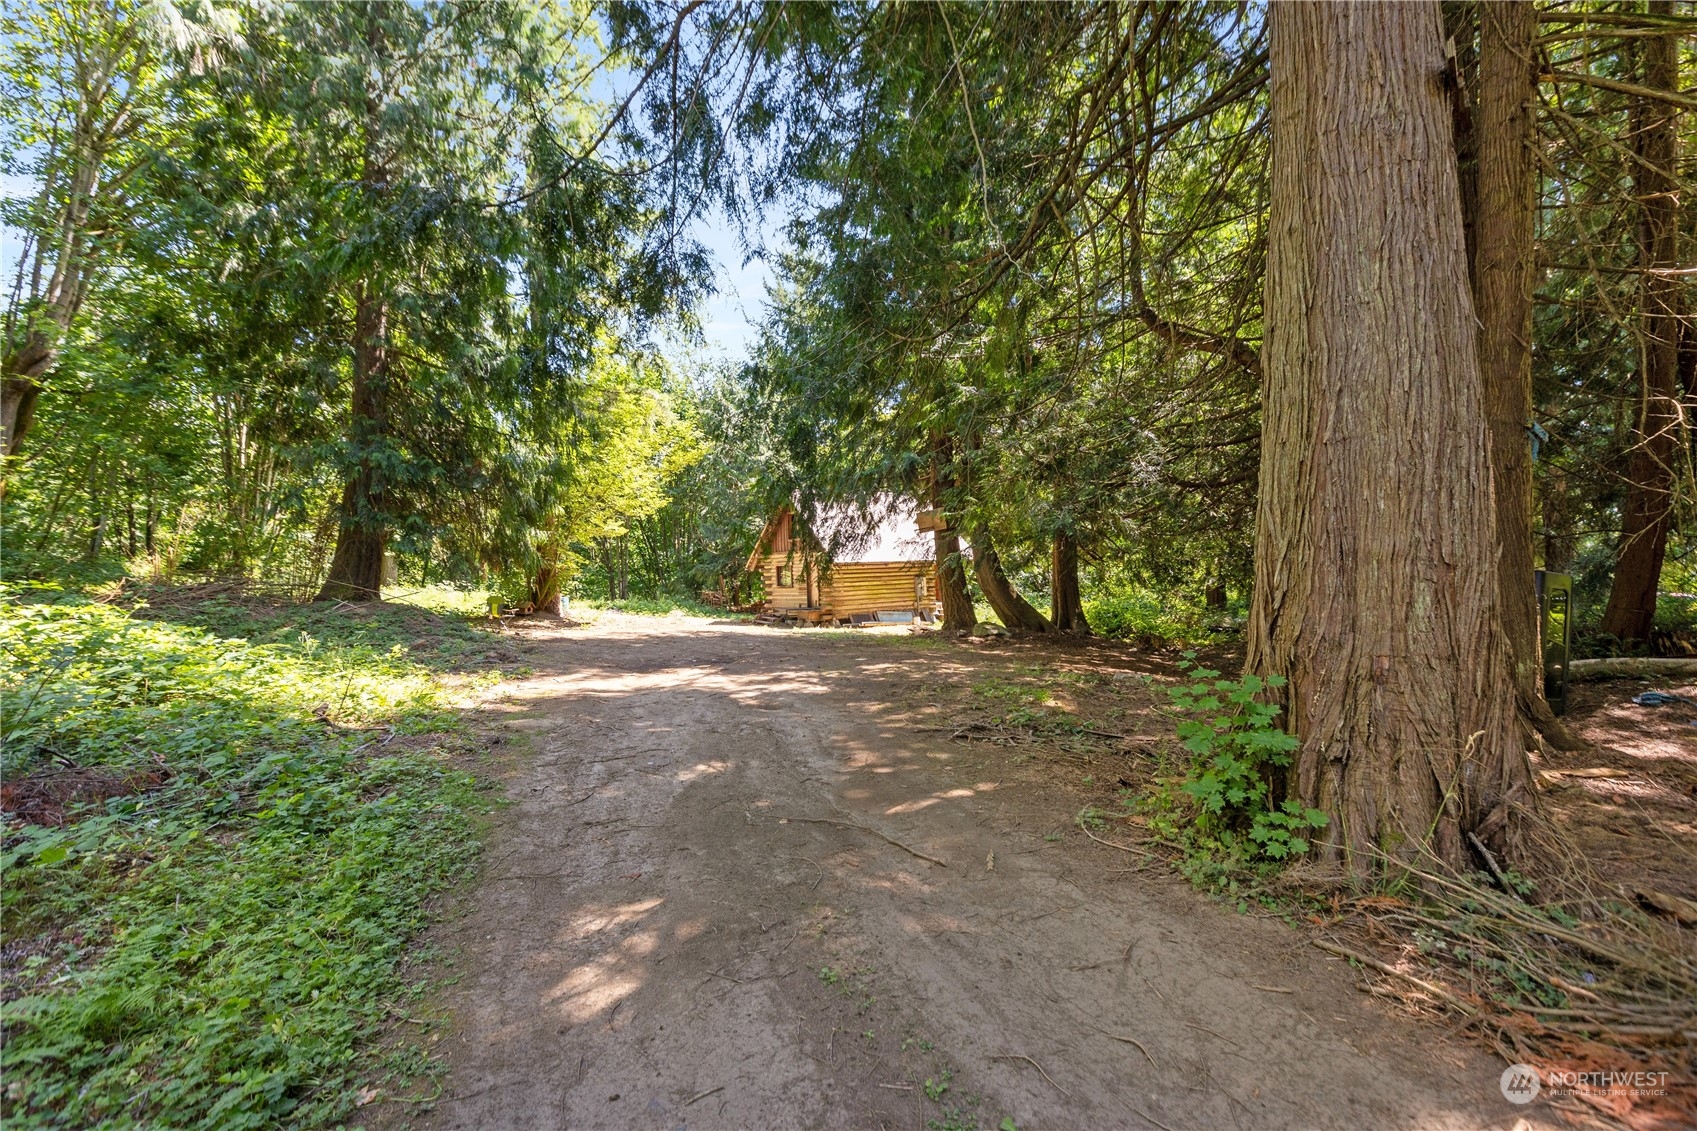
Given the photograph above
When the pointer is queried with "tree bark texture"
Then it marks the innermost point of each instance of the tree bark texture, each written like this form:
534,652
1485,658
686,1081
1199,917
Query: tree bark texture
545,590
952,591
1376,584
25,368
356,568
1066,603
958,613
1647,512
1015,611
1502,273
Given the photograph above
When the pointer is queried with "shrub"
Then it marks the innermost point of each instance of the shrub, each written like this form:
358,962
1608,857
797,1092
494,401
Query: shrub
1235,750
1127,614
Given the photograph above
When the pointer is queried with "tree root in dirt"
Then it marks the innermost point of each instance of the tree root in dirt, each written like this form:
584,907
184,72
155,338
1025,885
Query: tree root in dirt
1038,1067
867,829
1085,829
1130,1041
1392,971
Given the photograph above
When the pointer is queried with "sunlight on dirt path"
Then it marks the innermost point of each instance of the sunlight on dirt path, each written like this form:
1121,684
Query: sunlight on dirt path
659,940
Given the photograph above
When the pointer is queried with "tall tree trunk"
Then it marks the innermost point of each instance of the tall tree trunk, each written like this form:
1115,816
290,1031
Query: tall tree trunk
19,391
1376,551
1647,512
958,613
545,582
147,532
356,568
97,504
1066,604
48,523
1502,273
545,590
1015,611
952,592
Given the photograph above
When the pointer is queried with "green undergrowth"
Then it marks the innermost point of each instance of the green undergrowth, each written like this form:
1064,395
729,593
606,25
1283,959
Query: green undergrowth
1216,804
650,607
1144,615
258,808
427,634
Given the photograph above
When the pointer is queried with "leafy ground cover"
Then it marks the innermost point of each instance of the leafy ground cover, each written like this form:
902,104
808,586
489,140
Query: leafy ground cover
1139,614
225,820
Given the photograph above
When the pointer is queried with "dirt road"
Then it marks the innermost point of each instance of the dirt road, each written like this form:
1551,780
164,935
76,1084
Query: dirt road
710,905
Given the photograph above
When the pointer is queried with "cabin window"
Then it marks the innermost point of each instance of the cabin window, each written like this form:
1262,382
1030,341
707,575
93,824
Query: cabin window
786,576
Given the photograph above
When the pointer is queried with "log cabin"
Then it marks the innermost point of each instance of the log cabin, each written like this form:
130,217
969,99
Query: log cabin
849,571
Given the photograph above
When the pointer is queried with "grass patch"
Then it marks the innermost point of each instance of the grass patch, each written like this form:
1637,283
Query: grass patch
438,630
211,941
1017,704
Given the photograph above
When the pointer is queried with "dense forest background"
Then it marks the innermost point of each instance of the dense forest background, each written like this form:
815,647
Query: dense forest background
300,285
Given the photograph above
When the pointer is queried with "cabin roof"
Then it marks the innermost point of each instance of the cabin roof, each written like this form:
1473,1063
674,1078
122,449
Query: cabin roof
886,531
892,536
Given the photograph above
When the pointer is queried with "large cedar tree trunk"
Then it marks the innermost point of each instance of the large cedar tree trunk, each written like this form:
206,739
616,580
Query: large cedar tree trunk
952,593
545,590
958,613
356,569
1376,585
1015,611
1066,604
1502,272
1647,512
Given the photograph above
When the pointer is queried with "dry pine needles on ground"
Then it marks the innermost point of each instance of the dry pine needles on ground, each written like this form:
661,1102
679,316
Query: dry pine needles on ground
1579,981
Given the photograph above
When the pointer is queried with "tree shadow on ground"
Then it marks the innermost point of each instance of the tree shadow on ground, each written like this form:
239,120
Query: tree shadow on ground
444,642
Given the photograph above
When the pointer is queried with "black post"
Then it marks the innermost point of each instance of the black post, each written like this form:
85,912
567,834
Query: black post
1555,633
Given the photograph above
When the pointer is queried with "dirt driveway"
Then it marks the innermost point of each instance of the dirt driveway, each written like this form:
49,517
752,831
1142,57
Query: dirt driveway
710,905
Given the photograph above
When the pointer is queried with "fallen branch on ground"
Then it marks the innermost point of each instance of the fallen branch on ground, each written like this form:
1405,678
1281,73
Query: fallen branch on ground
1616,667
1387,968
